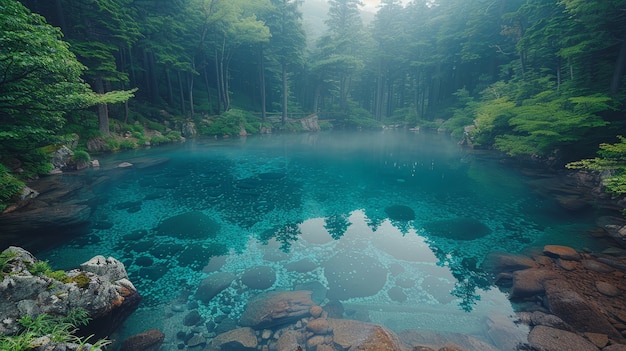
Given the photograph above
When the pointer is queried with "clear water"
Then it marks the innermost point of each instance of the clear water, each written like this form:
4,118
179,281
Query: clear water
393,224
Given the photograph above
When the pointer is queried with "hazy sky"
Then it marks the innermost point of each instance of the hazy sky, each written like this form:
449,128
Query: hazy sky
372,5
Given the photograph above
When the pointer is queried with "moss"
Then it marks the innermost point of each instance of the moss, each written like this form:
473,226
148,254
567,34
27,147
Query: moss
81,280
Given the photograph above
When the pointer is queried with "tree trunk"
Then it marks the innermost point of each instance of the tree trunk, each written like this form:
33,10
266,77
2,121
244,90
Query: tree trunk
218,83
103,110
170,89
182,93
262,84
618,72
207,85
191,108
285,92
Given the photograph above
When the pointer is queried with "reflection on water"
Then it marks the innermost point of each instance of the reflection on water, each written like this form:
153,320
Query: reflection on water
394,225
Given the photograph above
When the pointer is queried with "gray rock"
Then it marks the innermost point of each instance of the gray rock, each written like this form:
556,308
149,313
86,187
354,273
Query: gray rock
109,268
213,285
549,320
259,277
61,157
544,338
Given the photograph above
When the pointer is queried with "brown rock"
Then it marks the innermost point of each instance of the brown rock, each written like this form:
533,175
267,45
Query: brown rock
567,265
289,341
149,340
355,335
600,340
563,252
437,340
314,341
607,289
549,320
319,326
316,311
550,339
503,262
450,347
596,266
275,308
241,339
615,347
582,315
529,282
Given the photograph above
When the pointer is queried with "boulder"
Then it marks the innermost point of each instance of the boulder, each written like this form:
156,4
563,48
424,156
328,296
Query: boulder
530,282
319,326
549,320
562,252
355,335
290,340
213,285
240,339
354,274
276,308
259,277
582,315
544,338
150,340
61,157
107,301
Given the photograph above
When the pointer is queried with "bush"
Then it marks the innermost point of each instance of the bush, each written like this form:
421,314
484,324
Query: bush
9,187
127,144
81,156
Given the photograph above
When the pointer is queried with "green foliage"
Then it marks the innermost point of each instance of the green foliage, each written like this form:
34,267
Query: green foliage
229,123
60,329
9,187
81,156
5,261
611,160
127,144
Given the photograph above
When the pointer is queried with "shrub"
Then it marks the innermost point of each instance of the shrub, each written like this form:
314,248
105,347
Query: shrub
81,156
9,187
127,144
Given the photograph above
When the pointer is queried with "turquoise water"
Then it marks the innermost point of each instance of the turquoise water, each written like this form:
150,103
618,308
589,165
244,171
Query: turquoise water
393,224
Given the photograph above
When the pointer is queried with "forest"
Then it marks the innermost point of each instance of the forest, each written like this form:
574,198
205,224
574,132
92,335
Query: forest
538,79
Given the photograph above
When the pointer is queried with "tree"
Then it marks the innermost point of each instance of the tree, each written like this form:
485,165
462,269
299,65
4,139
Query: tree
40,80
287,43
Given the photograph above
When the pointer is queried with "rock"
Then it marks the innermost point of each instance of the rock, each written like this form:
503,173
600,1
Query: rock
549,320
193,318
354,274
316,311
310,123
397,294
437,340
504,262
319,326
530,282
213,285
355,335
314,342
615,347
302,266
290,340
94,163
105,267
550,339
124,165
61,157
582,315
566,264
276,308
259,277
196,340
188,129
189,225
457,229
600,340
149,340
400,213
240,339
596,266
107,302
607,289
563,252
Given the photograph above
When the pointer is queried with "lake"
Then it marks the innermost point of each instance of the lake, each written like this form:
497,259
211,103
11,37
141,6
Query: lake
394,225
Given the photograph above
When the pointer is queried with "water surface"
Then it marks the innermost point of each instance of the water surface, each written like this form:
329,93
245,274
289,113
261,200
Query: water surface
393,224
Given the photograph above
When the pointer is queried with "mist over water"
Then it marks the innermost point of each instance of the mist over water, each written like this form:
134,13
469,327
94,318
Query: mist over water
395,225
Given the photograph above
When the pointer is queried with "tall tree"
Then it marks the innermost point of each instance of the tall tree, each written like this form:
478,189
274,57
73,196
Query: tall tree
287,43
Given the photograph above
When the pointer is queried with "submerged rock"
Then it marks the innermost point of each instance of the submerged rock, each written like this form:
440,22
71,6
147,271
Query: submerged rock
150,340
190,225
400,213
259,277
354,274
276,308
457,229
